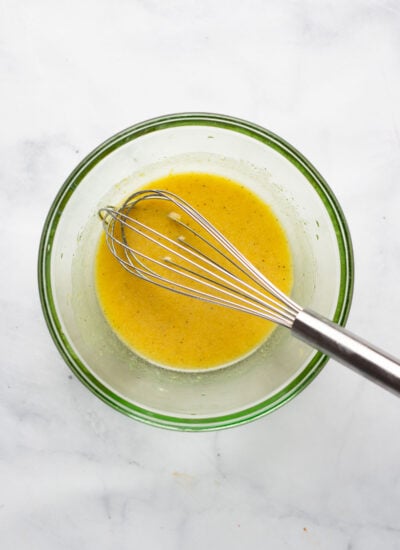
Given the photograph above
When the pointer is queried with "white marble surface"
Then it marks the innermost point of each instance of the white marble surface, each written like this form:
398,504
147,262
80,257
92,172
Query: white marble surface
322,472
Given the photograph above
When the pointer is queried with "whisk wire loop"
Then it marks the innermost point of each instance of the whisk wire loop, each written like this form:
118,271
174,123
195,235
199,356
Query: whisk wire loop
250,292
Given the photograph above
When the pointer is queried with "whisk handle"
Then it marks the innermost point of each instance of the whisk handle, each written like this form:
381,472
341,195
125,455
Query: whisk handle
348,349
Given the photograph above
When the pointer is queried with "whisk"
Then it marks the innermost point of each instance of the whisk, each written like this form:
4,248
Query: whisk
202,263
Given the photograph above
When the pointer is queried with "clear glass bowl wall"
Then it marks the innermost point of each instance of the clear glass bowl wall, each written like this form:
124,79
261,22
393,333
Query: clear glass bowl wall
318,237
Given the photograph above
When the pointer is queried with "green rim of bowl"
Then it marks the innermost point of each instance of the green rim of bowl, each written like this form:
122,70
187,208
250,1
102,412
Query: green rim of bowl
45,251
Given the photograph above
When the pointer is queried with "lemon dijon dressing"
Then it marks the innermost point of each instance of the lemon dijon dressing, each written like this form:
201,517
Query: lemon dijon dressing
179,332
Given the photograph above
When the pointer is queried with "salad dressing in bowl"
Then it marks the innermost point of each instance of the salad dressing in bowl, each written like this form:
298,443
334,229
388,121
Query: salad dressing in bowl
178,332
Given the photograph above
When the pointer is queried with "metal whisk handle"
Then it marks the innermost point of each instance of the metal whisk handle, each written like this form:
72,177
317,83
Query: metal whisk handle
348,349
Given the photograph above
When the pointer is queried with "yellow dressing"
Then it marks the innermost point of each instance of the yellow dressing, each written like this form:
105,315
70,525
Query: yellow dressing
179,332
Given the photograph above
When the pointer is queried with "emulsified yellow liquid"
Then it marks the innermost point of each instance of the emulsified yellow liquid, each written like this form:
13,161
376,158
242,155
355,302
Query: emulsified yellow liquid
179,332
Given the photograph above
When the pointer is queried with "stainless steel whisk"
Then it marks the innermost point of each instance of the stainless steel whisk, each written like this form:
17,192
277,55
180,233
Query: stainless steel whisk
241,286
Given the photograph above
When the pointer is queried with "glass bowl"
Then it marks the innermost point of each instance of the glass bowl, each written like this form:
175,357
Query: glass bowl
307,209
